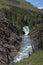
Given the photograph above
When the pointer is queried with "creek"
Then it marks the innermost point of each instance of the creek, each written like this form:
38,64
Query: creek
26,47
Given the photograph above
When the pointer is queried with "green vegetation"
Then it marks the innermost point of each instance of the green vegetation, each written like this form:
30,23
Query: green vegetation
35,59
21,4
17,14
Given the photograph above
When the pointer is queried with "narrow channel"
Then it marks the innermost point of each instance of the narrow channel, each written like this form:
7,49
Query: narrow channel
26,47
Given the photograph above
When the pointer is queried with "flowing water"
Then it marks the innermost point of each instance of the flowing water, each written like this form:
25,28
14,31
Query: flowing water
26,47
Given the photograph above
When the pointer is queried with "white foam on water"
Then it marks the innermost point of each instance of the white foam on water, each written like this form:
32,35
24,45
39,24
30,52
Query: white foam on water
26,30
23,53
26,47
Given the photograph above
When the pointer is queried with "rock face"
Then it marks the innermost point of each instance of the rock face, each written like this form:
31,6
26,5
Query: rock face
12,19
37,37
8,44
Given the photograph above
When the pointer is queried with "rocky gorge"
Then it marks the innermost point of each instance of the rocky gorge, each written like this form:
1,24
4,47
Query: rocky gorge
12,21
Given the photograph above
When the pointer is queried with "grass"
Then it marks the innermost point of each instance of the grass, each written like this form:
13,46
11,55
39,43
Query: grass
35,59
21,4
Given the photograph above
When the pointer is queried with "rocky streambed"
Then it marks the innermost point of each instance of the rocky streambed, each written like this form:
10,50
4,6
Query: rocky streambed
26,46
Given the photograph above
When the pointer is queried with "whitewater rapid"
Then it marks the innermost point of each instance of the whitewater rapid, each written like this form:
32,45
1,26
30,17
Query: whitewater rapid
26,47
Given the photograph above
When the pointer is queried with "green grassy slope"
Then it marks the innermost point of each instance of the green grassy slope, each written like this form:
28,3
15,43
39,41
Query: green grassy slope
35,59
20,4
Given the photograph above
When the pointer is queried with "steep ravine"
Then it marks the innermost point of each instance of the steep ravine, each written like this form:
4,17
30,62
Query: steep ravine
26,46
12,20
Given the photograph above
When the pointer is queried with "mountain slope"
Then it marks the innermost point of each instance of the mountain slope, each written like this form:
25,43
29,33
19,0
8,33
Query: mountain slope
21,4
16,14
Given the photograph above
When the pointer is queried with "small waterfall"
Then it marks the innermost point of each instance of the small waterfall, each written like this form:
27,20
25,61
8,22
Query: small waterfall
26,30
26,47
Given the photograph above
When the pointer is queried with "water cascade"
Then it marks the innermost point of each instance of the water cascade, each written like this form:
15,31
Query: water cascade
26,47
